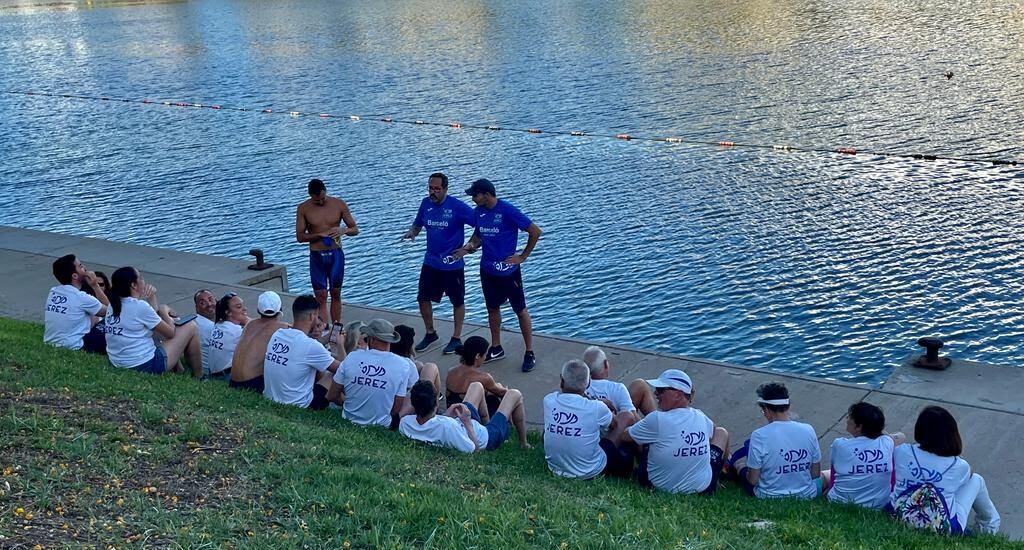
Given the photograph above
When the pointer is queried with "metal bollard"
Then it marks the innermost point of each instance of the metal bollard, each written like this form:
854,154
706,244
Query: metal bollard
260,265
931,360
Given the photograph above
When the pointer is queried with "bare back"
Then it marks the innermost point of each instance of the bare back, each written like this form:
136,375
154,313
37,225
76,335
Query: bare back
247,362
460,377
313,219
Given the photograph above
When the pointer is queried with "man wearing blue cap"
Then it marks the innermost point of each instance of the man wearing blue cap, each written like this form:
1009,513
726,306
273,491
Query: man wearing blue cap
498,224
683,451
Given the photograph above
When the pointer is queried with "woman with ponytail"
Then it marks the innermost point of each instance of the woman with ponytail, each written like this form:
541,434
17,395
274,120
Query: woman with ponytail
133,318
471,357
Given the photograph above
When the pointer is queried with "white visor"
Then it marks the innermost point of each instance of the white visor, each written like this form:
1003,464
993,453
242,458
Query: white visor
773,401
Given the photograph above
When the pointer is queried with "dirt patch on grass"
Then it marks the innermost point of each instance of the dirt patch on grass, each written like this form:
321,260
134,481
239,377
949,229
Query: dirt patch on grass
84,471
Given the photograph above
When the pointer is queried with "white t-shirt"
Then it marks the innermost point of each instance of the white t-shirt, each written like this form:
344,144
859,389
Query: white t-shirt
130,336
784,452
679,459
68,316
862,470
615,392
572,434
205,329
221,345
443,431
290,366
413,376
946,473
372,379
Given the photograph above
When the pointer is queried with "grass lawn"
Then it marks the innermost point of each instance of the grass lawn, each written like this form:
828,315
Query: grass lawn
92,455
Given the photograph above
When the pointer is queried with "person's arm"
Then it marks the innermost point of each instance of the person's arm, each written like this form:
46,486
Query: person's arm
470,247
396,407
816,470
165,327
411,233
467,423
336,394
351,229
90,279
754,475
490,386
333,367
302,234
533,233
898,438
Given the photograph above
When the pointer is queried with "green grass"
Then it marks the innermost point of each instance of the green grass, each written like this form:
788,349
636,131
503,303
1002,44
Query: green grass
92,455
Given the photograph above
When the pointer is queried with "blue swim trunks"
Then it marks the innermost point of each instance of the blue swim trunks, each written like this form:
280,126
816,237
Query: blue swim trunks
326,268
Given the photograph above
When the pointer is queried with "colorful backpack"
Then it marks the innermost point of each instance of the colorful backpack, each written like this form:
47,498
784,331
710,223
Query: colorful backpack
922,506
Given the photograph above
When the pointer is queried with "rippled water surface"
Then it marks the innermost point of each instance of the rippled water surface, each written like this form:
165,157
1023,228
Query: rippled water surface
814,263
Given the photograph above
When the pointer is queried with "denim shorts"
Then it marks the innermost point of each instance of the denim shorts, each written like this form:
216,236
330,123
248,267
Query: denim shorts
156,365
497,428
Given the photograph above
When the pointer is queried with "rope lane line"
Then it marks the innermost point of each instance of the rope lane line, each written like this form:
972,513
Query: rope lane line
845,151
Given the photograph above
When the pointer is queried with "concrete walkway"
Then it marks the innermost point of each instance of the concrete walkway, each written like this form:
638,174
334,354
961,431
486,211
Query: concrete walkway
983,398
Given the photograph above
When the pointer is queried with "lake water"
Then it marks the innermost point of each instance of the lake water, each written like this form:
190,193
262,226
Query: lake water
809,262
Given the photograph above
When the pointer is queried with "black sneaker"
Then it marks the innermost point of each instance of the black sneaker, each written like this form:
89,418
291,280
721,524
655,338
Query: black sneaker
529,361
453,344
428,338
494,354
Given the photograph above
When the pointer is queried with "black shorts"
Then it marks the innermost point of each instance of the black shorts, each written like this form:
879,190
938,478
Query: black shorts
319,401
435,283
252,384
620,459
717,459
499,289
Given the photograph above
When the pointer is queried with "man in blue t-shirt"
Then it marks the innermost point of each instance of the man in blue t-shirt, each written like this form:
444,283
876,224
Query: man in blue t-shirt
442,273
498,224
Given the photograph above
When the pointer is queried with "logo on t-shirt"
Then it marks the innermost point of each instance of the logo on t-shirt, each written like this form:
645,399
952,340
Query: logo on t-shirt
564,424
56,304
795,458
503,266
871,462
276,353
110,328
371,374
694,444
449,259
925,475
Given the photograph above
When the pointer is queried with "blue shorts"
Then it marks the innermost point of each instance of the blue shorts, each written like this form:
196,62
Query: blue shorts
497,428
156,365
326,268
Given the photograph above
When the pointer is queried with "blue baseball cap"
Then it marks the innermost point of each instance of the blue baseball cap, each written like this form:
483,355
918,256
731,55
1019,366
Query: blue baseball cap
481,186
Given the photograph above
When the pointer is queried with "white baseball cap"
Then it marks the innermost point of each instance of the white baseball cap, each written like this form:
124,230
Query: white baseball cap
675,379
269,304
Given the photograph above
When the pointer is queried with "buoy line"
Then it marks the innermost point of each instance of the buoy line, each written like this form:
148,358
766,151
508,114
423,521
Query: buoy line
846,151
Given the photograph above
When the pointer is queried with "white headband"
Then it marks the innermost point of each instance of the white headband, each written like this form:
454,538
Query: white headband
773,401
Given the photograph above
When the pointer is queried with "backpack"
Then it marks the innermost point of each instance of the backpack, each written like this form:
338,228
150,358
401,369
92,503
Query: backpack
922,506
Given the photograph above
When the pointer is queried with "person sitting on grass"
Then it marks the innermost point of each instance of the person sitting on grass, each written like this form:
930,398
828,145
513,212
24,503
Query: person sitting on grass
460,427
613,393
71,313
132,320
472,354
683,451
782,459
372,384
404,349
861,466
573,423
206,312
229,320
297,368
935,460
251,351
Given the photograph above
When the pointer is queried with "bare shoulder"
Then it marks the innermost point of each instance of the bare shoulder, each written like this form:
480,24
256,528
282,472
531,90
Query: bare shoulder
303,206
339,203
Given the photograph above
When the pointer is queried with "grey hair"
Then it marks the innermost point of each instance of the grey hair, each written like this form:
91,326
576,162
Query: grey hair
594,357
352,335
575,376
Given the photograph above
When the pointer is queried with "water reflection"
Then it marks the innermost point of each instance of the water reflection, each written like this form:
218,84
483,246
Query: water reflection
812,263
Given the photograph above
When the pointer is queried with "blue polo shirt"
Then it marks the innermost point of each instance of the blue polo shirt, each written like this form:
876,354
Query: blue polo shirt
445,224
499,229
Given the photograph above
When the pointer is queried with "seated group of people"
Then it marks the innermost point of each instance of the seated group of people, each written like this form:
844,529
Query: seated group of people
592,425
